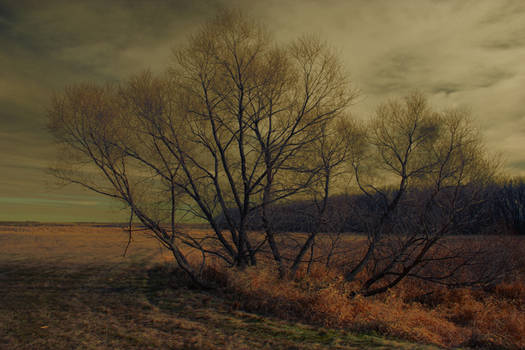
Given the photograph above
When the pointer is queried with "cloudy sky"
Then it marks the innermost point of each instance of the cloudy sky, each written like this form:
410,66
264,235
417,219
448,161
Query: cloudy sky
460,53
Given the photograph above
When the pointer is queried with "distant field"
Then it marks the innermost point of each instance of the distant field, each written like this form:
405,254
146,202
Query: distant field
69,287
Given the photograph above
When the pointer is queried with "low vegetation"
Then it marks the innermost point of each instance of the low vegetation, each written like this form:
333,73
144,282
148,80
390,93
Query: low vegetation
70,287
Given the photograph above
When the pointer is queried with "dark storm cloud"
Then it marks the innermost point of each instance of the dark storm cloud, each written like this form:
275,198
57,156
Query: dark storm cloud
86,36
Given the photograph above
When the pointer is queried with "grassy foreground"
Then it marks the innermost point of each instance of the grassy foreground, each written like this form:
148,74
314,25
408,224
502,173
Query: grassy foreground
68,287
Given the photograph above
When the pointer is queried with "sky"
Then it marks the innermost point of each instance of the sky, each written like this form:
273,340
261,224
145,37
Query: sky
466,54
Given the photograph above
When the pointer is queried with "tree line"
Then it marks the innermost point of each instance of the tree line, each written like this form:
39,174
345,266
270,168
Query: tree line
502,211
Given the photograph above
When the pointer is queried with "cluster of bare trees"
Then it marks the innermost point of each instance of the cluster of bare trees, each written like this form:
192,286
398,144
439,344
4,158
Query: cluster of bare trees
240,124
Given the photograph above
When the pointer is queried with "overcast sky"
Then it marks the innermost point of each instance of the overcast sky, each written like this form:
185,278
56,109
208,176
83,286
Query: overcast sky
460,53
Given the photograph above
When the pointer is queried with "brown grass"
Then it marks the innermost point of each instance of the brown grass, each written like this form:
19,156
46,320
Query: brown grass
488,318
68,287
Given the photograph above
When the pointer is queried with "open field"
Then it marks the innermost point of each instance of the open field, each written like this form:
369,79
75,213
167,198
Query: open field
68,287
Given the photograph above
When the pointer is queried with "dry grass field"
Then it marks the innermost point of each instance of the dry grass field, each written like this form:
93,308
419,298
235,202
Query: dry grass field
69,287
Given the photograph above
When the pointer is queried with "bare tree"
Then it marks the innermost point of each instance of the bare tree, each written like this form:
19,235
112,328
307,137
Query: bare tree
421,170
228,130
337,142
104,147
